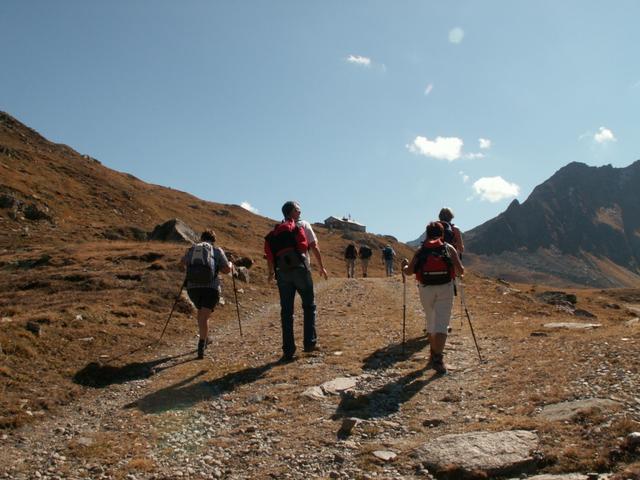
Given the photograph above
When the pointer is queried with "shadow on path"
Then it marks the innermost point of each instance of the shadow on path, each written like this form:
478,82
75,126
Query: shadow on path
384,401
185,394
387,356
100,376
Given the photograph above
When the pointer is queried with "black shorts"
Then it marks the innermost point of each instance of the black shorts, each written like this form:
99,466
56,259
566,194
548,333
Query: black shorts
204,297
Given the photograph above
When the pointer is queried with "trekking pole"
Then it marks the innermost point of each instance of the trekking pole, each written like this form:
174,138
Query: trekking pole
464,303
173,308
404,305
235,293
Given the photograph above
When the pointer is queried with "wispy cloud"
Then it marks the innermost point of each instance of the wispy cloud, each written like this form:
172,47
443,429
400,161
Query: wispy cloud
248,206
494,189
474,156
604,135
485,143
456,35
427,90
465,177
442,148
359,60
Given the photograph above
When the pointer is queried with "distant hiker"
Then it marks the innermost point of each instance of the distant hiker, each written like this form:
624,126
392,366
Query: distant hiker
387,258
350,255
286,248
365,255
435,265
203,262
452,233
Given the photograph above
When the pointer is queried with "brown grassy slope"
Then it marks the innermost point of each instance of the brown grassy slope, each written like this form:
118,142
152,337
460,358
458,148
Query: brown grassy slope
91,297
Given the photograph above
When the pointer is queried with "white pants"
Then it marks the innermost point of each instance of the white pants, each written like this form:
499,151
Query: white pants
437,302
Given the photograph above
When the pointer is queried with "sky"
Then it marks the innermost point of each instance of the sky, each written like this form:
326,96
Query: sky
382,110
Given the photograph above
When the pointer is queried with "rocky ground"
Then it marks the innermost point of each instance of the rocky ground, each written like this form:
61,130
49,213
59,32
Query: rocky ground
362,406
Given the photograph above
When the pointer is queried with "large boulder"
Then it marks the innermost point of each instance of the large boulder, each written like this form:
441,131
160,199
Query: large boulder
174,230
493,453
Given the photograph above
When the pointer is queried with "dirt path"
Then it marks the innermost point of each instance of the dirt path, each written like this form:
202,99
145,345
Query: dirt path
240,414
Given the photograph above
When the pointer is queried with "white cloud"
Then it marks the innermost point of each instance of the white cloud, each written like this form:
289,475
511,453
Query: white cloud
248,206
465,177
604,135
427,90
494,189
442,148
359,60
485,143
456,35
474,156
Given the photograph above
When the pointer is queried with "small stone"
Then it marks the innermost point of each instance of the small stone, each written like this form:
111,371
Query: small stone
385,455
348,424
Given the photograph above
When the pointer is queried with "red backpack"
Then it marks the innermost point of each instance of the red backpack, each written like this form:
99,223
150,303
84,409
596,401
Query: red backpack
286,244
434,265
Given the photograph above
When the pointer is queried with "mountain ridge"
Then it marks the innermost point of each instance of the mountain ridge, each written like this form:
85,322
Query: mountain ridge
579,213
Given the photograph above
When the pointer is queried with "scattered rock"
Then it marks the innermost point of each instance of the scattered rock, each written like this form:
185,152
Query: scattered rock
494,453
34,327
244,262
338,385
348,424
433,422
579,312
557,298
385,455
315,393
633,322
571,325
174,230
34,212
569,410
242,274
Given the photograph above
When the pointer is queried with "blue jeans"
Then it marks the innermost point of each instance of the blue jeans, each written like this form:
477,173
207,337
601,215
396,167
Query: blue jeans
388,264
289,282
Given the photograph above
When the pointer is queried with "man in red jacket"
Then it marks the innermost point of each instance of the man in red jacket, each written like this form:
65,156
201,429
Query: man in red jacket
286,248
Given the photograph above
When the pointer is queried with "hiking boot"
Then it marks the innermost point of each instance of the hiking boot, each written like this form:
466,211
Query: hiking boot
311,348
437,363
287,358
202,344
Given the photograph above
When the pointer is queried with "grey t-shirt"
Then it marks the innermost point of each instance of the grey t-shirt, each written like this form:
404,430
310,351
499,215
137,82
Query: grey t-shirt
220,261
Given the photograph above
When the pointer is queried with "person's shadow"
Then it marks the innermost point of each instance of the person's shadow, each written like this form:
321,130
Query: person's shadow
386,356
96,375
185,394
384,401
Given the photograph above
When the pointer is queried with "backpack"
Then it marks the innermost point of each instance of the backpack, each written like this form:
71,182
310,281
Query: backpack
434,265
350,252
286,243
387,253
201,264
365,252
449,237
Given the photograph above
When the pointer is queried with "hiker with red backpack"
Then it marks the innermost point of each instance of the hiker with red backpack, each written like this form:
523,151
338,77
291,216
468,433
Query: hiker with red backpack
286,248
203,261
435,265
452,234
350,255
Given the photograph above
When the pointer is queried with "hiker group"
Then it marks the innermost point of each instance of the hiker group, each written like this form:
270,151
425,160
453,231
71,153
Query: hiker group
436,264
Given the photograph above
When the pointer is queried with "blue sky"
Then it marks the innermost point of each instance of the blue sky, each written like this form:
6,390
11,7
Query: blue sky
386,111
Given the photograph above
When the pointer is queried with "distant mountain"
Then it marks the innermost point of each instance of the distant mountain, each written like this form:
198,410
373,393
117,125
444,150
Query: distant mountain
581,226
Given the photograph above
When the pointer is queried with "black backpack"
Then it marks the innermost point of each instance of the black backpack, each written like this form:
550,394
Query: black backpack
350,252
365,252
449,237
387,253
